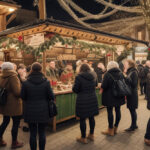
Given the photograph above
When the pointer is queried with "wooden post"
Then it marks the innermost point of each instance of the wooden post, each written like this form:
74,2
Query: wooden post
44,62
2,22
42,9
42,15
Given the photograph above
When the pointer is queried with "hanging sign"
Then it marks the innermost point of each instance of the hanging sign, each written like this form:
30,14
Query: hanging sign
34,40
66,57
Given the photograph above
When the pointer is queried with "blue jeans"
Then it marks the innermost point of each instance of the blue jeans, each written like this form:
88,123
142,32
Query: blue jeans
37,128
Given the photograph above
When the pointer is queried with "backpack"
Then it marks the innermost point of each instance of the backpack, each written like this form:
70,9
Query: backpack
119,87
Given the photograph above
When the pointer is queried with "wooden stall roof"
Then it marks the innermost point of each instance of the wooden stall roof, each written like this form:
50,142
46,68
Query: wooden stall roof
7,8
69,30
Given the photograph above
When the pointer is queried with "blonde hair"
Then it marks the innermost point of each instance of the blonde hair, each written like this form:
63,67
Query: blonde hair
112,64
131,63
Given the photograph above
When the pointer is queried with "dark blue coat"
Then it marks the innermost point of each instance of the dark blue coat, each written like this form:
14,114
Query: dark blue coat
86,102
36,92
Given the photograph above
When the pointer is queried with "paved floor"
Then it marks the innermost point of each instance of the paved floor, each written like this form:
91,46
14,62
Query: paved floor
64,138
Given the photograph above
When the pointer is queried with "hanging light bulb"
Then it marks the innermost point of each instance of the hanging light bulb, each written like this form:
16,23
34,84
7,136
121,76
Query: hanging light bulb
11,9
35,3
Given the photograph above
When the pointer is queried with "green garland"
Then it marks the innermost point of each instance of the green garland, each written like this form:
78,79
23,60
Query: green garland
124,54
148,56
6,42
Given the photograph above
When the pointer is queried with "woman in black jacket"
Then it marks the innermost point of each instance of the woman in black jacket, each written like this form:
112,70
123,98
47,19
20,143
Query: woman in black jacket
132,100
36,92
86,102
109,100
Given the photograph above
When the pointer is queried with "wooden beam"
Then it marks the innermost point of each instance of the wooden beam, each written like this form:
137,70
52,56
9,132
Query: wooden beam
9,4
42,9
3,11
11,18
2,22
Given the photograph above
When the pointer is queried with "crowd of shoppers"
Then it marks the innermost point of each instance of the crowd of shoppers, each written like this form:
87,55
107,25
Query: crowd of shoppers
29,93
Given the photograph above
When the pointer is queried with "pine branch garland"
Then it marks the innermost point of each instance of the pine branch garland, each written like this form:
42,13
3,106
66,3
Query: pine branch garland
20,46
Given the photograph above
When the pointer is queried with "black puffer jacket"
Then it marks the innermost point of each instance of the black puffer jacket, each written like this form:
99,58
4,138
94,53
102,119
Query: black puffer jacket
36,92
86,102
132,80
108,98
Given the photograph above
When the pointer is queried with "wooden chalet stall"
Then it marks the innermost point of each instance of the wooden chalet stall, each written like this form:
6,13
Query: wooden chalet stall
59,41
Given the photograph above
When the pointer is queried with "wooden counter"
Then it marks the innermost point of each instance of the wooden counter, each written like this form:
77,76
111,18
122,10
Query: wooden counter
65,102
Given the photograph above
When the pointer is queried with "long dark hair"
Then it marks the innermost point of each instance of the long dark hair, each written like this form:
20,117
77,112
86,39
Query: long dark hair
84,68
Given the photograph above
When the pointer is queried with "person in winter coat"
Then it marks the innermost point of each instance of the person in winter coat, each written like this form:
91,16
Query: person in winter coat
100,70
146,71
142,77
13,108
109,100
86,102
36,92
147,134
132,100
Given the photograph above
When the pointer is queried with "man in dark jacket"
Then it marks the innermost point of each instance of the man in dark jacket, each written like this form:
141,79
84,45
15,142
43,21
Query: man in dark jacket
142,77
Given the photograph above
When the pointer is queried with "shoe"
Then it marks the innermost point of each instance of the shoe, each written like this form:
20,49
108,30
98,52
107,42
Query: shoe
25,129
115,130
109,132
82,140
91,137
131,129
2,143
16,145
147,142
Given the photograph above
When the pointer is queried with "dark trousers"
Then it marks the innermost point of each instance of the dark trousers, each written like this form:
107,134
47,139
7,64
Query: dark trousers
37,128
142,88
83,126
144,84
111,116
147,135
14,131
133,118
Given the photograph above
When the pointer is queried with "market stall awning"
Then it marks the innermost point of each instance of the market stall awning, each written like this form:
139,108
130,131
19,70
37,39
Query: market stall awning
69,30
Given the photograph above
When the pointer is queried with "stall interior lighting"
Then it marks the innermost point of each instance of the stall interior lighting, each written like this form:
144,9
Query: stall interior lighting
11,9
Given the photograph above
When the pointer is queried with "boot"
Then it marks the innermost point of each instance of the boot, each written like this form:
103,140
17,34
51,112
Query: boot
109,132
2,143
82,140
16,145
115,130
91,137
147,142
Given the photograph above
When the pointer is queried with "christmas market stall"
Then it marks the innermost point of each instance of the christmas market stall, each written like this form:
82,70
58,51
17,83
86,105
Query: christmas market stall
60,47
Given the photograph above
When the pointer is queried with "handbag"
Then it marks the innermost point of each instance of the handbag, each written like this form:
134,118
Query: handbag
52,109
3,95
120,88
